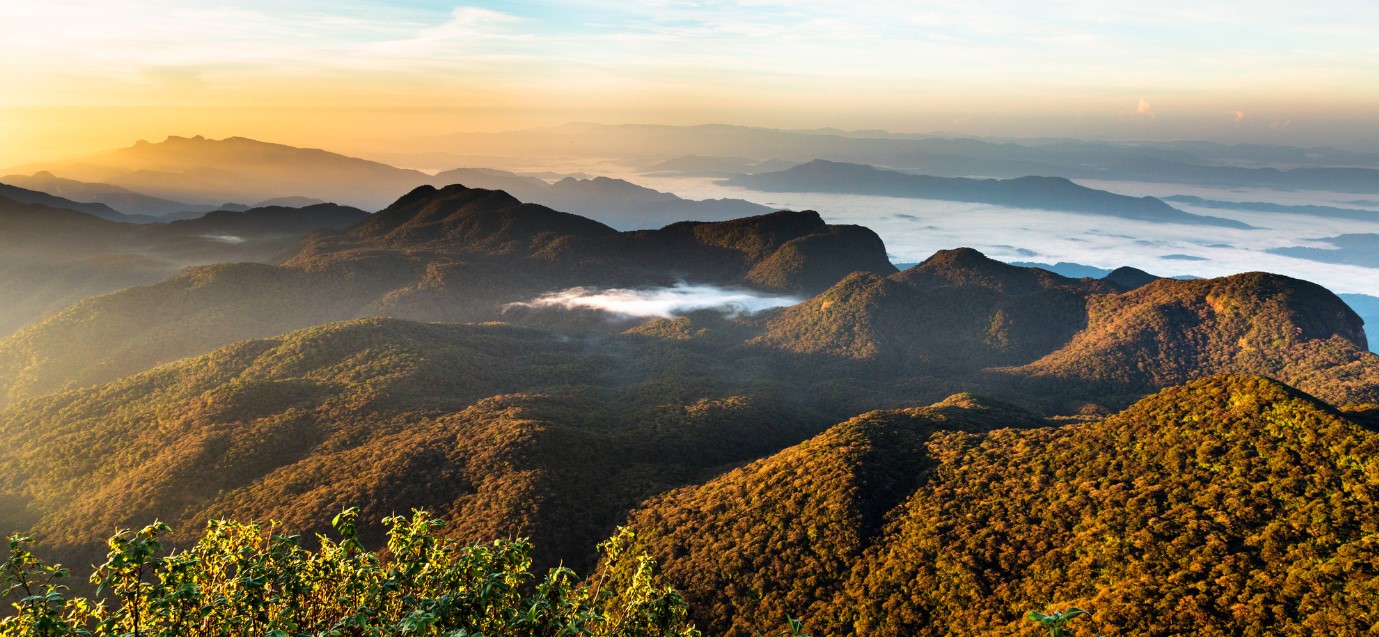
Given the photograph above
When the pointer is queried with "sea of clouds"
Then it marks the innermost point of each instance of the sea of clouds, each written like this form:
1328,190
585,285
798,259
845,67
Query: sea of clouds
914,229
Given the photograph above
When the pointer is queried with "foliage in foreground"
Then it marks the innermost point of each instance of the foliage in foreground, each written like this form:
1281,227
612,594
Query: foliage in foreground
1057,621
252,579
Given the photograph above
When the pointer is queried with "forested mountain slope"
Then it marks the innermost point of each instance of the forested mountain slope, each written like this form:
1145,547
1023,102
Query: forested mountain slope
1232,505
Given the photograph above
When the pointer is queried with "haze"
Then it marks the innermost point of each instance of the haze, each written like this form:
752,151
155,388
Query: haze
82,75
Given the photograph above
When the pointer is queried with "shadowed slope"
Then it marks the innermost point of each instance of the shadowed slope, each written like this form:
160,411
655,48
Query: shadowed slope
507,430
780,535
1170,331
957,310
454,254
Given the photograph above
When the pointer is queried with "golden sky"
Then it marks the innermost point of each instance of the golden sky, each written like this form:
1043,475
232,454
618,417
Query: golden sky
84,75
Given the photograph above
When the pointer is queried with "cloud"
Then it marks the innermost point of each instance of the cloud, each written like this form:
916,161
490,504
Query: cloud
466,33
665,302
1145,109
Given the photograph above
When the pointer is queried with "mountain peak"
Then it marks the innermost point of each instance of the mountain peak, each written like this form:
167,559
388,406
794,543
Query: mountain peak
1130,278
960,257
968,267
475,218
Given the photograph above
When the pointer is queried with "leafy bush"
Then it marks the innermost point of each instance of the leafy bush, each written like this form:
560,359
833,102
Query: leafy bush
253,579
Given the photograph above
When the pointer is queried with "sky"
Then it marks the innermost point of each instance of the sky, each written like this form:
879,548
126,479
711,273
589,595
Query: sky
83,75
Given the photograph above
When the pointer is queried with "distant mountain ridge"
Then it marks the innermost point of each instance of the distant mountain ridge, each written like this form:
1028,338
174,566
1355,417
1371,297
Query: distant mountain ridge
616,202
51,257
1243,165
1360,249
197,174
205,171
135,206
1046,193
21,195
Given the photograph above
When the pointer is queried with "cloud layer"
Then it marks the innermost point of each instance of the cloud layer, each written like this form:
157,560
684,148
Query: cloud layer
664,302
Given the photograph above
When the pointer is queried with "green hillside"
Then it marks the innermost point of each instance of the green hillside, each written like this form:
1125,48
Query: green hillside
506,430
1228,506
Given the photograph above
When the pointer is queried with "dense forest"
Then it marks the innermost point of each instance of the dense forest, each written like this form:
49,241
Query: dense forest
930,451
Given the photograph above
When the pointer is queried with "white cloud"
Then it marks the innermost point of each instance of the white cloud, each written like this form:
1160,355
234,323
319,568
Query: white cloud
662,302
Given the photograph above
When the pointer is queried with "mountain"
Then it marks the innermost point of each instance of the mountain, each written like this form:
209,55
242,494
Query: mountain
268,221
137,207
802,460
509,431
835,490
205,171
957,322
519,186
616,202
1044,193
628,206
287,202
454,254
1349,249
197,174
1196,511
1066,268
1068,342
1130,278
1260,206
52,257
957,311
702,166
16,194
1187,162
1170,331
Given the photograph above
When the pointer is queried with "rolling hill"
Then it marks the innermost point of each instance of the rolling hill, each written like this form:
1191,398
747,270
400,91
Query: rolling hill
1202,509
509,431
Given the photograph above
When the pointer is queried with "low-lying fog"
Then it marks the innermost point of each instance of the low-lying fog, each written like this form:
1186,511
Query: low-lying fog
664,302
913,229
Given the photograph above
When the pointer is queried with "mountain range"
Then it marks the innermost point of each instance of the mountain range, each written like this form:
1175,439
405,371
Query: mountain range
1360,249
185,177
923,451
52,254
1046,193
616,202
205,171
1185,162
